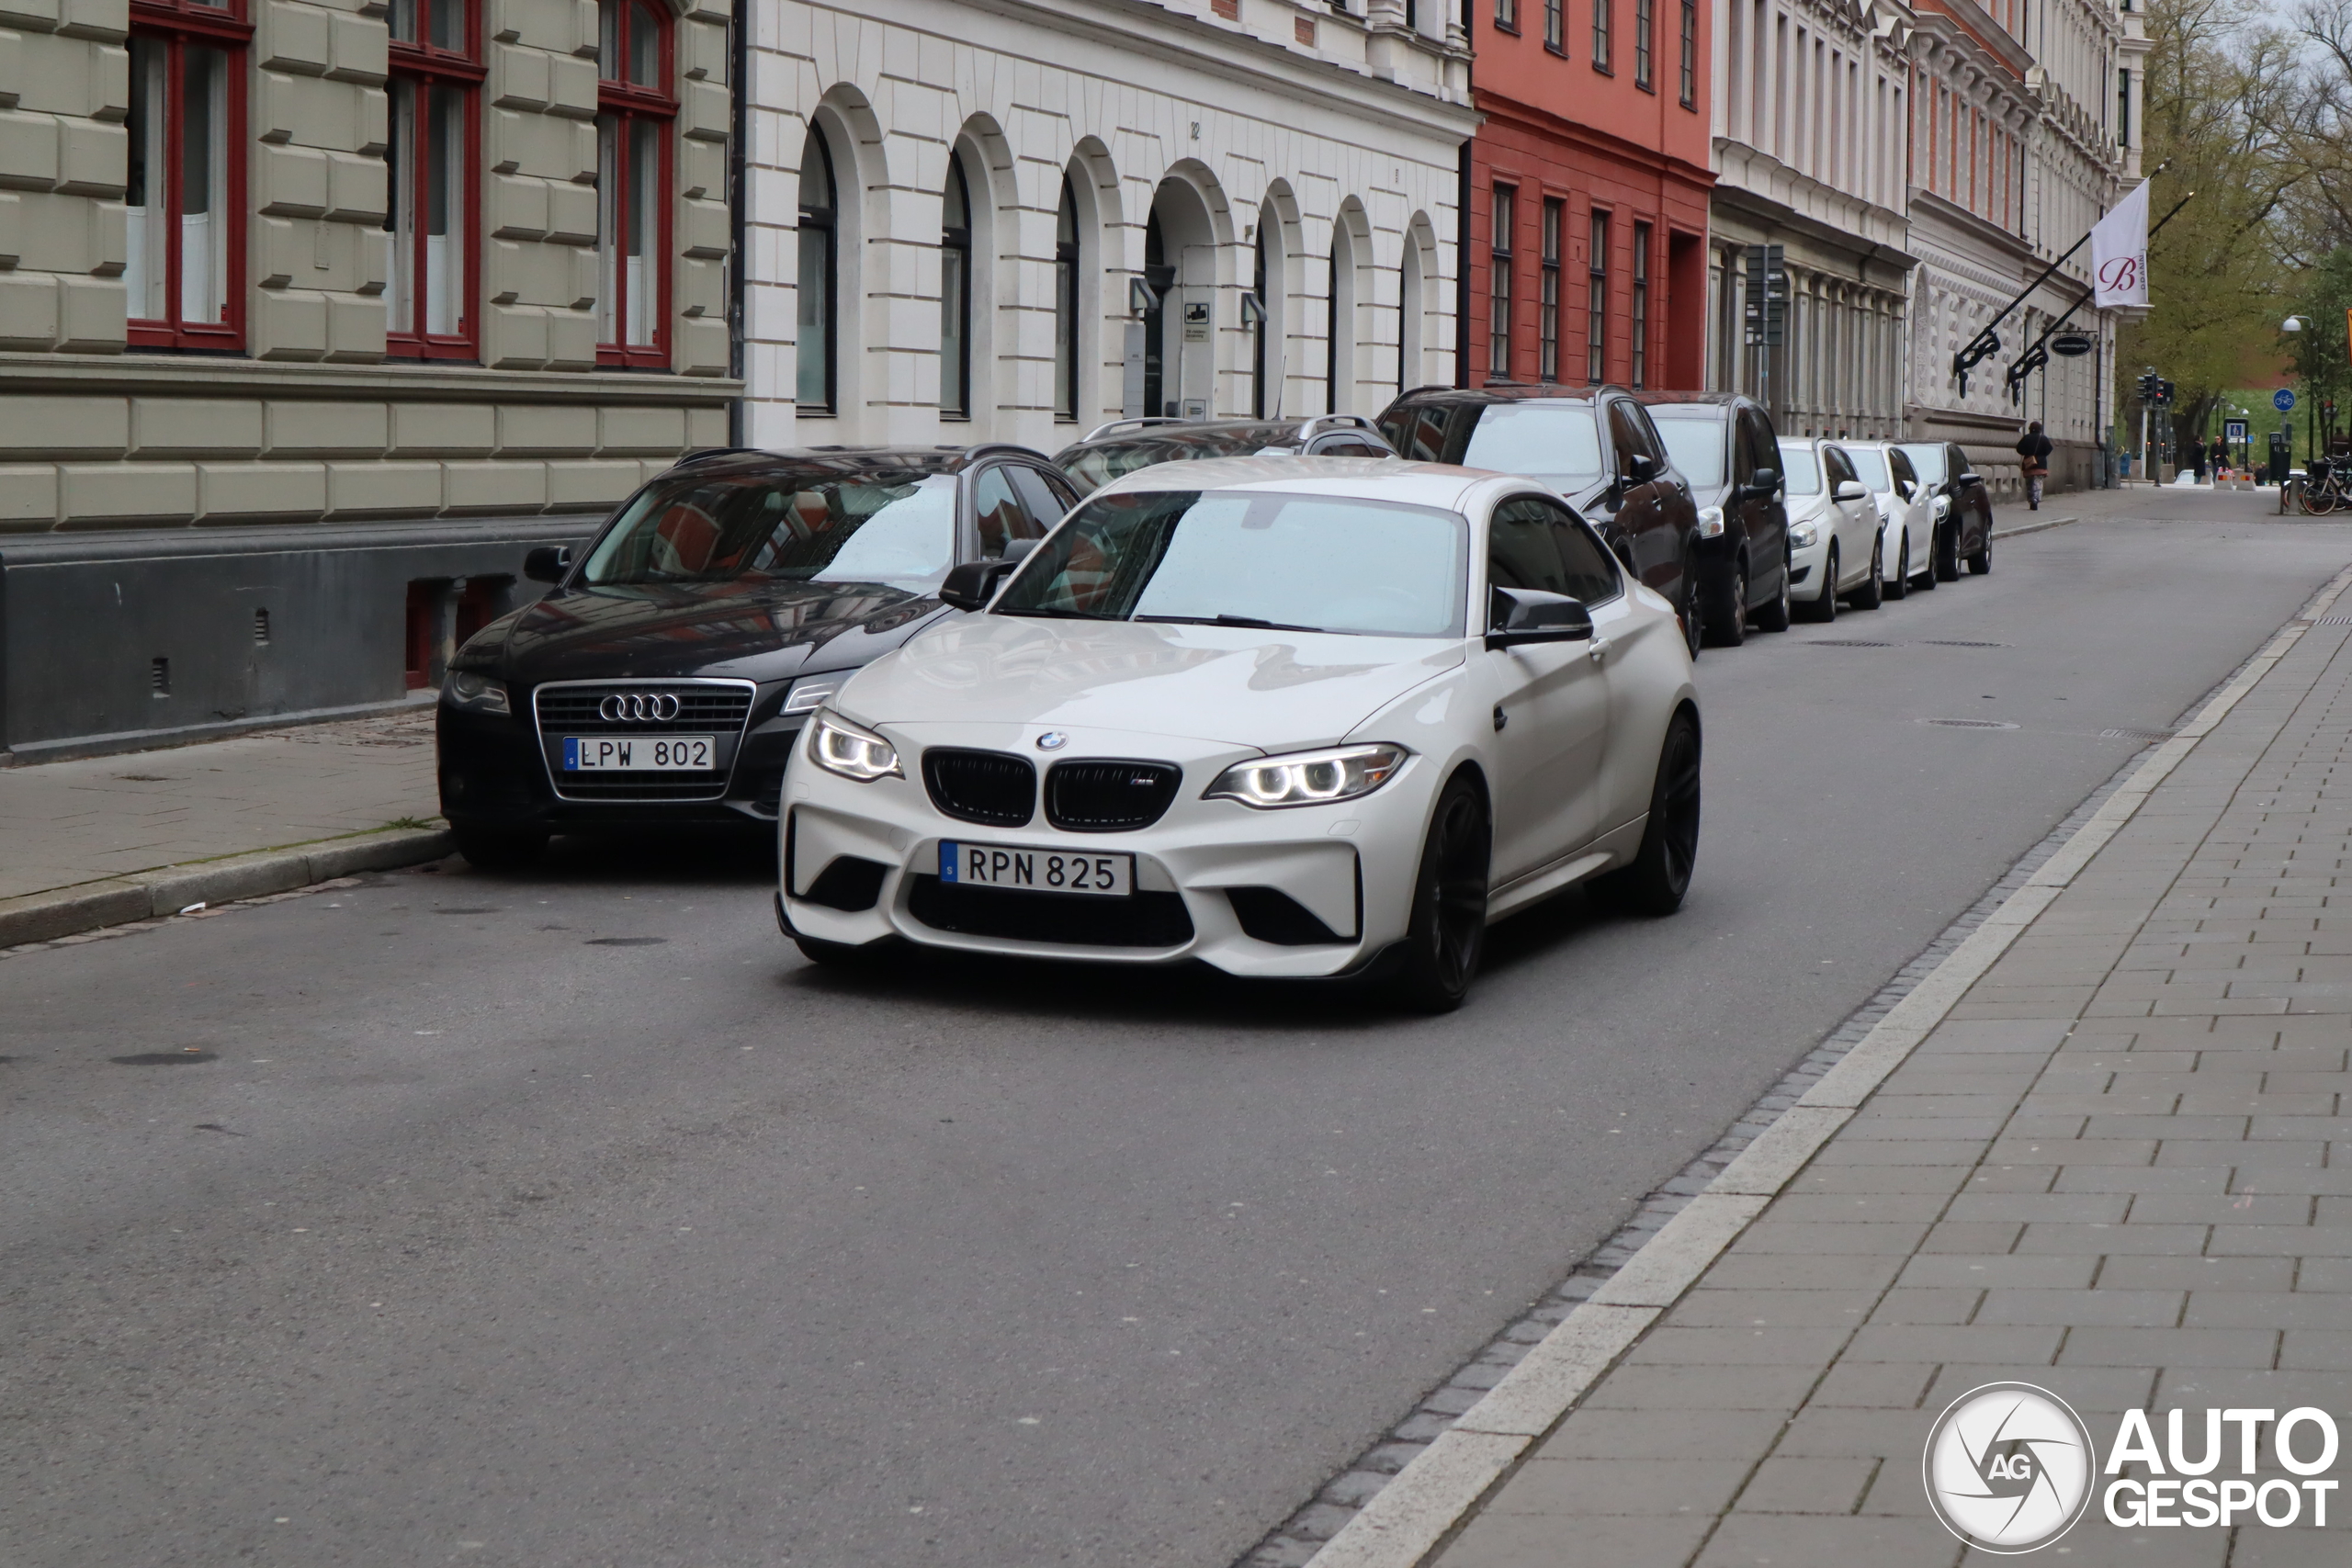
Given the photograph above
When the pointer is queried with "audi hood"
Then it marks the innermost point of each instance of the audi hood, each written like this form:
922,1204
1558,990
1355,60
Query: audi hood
1243,686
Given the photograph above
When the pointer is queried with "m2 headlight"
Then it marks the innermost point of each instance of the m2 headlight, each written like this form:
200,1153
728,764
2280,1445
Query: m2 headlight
1309,778
476,692
851,751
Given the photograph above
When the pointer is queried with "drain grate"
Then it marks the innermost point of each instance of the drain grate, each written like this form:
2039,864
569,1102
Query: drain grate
2333,621
1845,642
1970,723
1947,642
2130,734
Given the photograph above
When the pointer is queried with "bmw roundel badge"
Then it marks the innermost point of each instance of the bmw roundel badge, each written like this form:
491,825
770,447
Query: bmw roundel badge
1052,740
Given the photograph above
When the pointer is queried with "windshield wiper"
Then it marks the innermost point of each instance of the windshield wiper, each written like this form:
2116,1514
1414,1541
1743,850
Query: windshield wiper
1055,615
1251,621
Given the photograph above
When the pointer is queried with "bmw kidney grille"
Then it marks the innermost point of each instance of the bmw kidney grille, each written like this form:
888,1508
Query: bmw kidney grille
1109,796
981,786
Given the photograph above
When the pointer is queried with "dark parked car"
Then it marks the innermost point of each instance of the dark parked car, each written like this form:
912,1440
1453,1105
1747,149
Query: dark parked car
1963,507
666,676
1595,445
1723,445
1124,446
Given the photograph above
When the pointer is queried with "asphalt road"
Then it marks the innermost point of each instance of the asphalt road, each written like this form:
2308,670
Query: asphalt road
570,1219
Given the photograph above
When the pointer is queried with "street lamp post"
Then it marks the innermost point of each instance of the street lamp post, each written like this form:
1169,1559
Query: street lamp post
2287,421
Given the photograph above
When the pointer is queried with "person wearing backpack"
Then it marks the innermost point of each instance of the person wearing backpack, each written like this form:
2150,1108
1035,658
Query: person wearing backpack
2034,454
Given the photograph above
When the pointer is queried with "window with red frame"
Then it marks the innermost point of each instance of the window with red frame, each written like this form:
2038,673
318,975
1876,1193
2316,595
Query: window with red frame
635,111
184,190
434,137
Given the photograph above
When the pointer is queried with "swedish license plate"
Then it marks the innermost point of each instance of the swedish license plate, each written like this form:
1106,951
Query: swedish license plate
640,754
1036,871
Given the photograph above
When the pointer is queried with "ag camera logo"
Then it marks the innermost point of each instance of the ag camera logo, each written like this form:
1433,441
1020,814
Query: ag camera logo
2009,1467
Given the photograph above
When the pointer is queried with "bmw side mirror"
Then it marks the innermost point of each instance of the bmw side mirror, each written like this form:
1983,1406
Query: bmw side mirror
1850,490
1968,480
1518,615
548,563
1764,481
973,585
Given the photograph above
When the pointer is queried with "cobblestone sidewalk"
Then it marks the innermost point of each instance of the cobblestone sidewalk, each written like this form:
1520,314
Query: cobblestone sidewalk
2118,1165
66,823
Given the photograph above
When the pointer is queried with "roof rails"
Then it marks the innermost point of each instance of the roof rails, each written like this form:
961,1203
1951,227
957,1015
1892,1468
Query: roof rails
1102,430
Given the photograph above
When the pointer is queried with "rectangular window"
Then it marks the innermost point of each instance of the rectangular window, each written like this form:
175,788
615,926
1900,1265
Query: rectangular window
636,109
1507,15
184,264
1554,27
1498,289
1556,219
1596,300
1641,306
1690,39
1601,20
430,260
2124,108
1644,23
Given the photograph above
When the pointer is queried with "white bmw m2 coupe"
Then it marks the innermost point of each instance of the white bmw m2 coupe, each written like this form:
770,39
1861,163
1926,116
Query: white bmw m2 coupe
1307,716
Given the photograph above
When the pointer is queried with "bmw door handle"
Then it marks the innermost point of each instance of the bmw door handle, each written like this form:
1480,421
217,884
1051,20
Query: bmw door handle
1596,649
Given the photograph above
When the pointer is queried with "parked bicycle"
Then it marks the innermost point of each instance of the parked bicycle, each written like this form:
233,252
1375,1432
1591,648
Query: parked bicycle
2327,487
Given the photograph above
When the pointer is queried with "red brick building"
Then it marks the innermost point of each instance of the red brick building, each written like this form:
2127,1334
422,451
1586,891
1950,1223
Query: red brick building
1586,255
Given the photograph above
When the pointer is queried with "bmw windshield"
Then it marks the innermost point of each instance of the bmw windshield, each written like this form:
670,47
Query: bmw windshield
1233,558
894,525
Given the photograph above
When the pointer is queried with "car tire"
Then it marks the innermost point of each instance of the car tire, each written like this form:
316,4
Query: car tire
1447,931
1981,563
1659,876
1775,616
500,849
1727,617
1928,578
1899,585
1825,606
1872,593
1692,613
1948,553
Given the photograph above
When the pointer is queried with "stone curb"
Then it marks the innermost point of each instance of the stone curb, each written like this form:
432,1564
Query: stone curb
1408,1521
44,917
2015,529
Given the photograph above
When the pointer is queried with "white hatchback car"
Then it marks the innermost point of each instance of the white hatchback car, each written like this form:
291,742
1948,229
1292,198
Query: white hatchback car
1833,530
1906,541
1288,715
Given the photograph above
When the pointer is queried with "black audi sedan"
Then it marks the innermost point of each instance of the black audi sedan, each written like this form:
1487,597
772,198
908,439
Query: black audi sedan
1120,447
666,674
1963,507
1594,444
1723,445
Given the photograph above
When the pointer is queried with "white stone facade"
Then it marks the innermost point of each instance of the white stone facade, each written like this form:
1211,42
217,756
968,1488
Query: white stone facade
1328,144
1812,154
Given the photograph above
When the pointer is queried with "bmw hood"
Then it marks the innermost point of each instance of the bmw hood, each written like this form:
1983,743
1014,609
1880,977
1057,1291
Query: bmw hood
1237,685
759,631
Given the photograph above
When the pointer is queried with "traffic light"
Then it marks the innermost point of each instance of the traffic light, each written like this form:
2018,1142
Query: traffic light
2148,386
2164,393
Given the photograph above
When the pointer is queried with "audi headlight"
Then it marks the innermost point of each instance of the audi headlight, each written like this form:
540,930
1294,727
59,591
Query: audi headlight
851,751
475,692
1711,521
1804,535
1309,778
813,692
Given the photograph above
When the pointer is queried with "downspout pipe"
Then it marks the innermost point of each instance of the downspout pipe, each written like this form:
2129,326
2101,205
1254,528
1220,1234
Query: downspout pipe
737,79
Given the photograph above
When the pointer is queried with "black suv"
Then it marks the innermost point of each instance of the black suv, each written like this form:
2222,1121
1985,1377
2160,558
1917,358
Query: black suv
1124,446
1725,446
1963,507
665,676
1594,444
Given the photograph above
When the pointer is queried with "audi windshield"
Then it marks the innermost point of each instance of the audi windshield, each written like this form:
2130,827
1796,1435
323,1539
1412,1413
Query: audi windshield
1231,557
876,526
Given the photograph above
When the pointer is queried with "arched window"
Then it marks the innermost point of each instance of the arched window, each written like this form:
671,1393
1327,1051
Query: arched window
1260,347
955,294
634,109
819,268
1408,314
1066,260
185,197
436,74
1161,276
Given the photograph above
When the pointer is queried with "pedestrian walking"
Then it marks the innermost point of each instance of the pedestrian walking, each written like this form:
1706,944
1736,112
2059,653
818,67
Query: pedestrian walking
2221,456
2034,454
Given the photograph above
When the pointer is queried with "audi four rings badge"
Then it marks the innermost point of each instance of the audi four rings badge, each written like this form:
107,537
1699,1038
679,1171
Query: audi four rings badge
638,707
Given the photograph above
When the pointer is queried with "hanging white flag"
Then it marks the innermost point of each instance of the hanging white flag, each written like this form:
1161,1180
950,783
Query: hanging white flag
2120,251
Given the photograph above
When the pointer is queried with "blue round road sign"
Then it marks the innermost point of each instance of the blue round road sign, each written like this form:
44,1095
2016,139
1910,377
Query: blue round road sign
2282,400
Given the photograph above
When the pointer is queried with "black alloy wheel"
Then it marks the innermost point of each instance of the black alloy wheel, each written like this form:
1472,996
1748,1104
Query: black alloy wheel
1948,552
1981,563
1694,625
1774,617
1873,588
500,849
1654,882
1728,618
1899,585
1928,578
1448,930
1825,606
